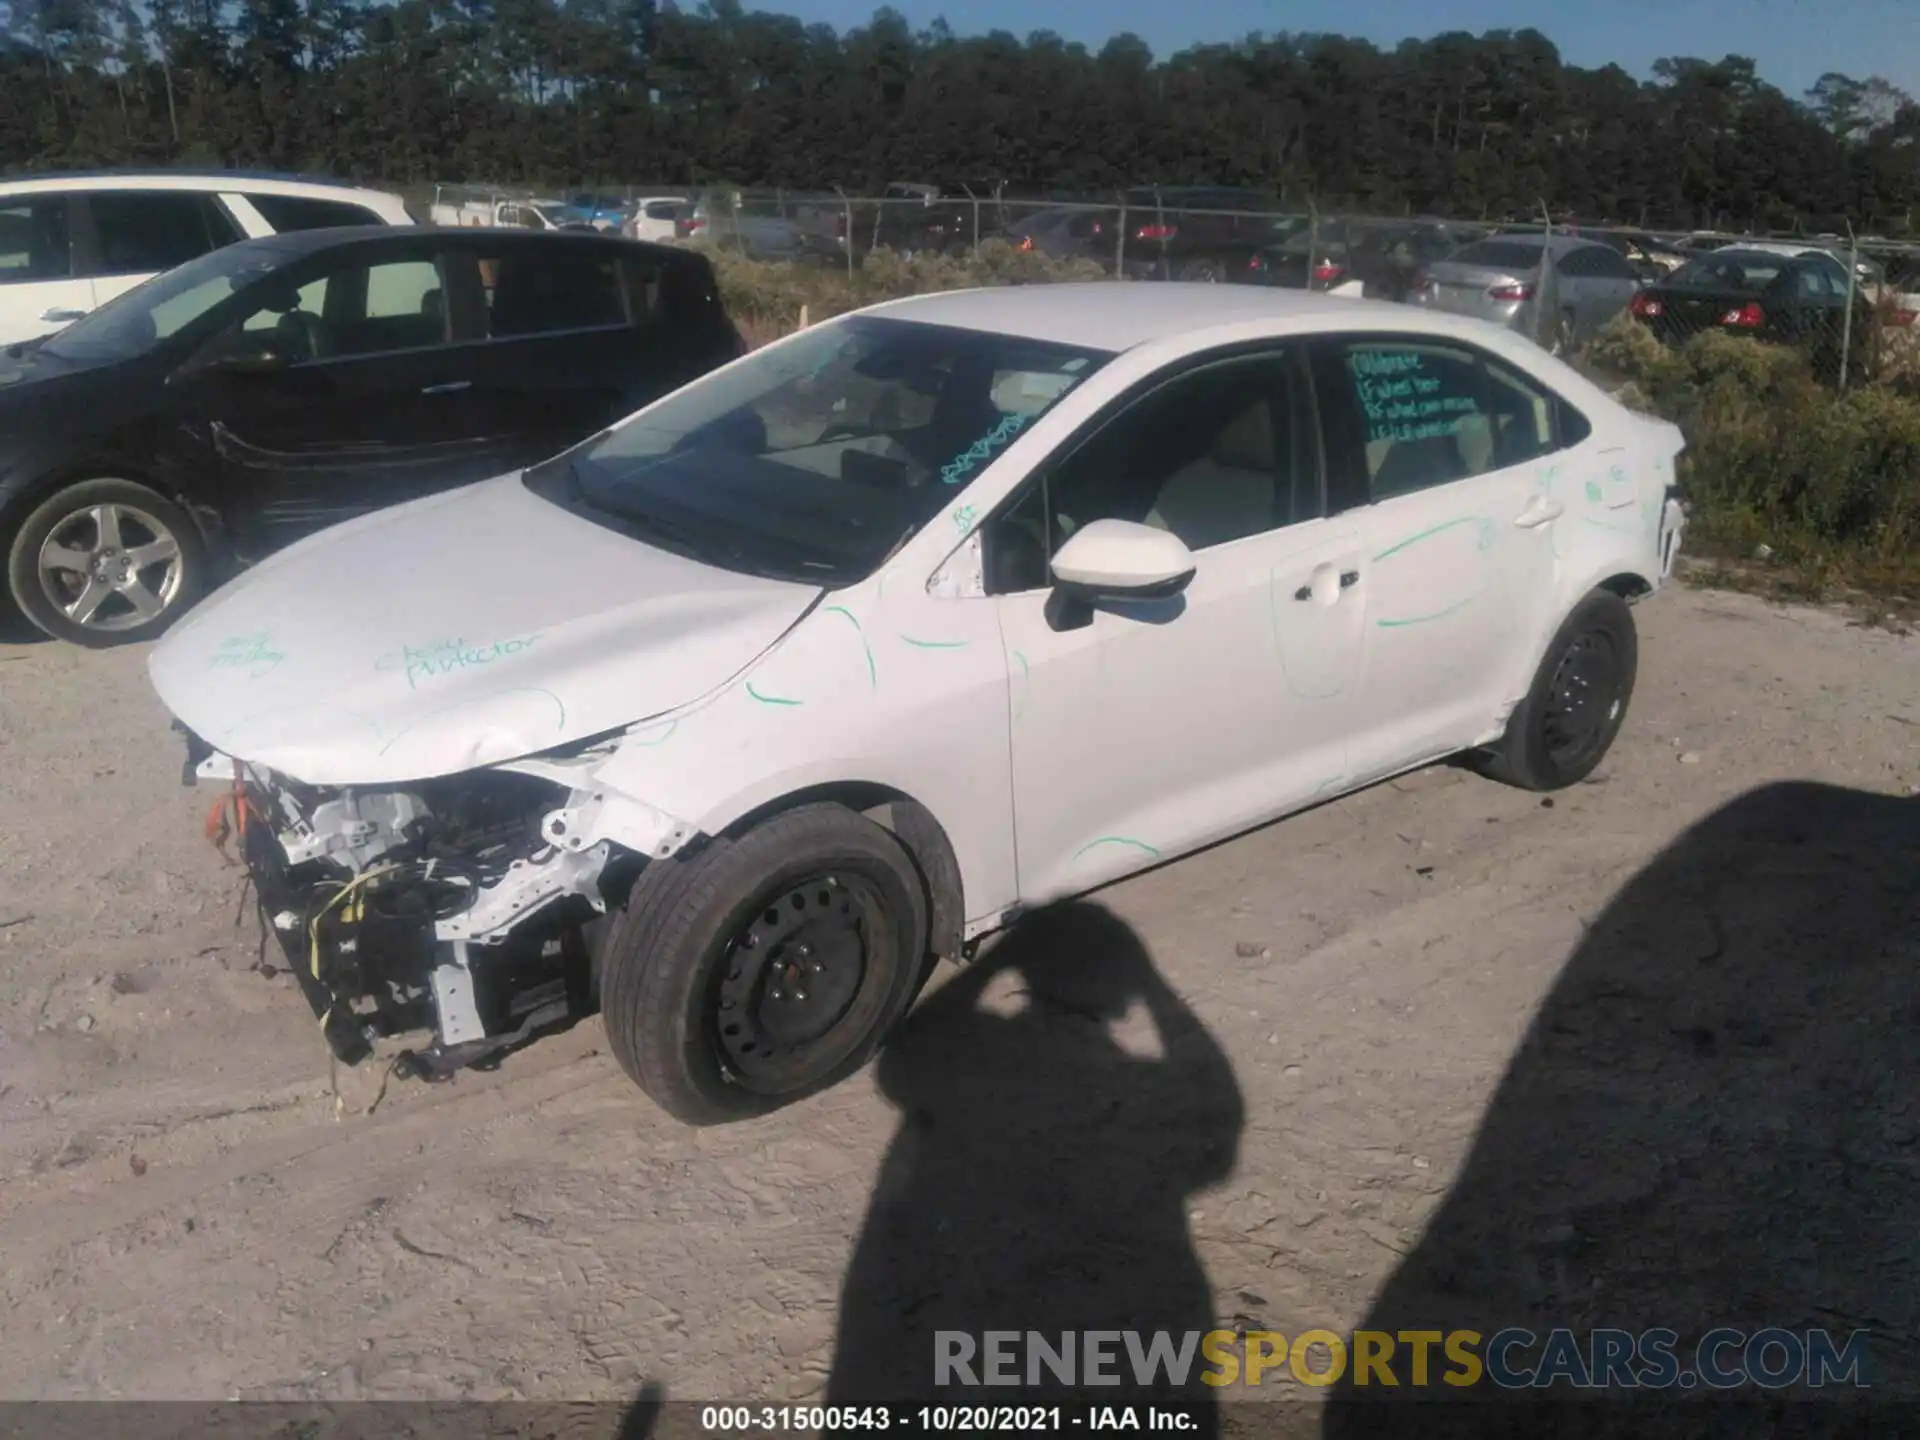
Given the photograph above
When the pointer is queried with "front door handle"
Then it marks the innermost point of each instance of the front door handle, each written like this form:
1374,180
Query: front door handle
1540,511
58,316
1325,585
451,387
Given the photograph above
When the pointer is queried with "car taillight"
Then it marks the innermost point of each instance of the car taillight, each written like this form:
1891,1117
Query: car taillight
1326,272
1510,292
1903,318
1026,242
1256,261
1748,317
1645,307
1156,232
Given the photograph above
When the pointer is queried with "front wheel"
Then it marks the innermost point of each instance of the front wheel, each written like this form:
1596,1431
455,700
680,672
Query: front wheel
1564,727
763,968
105,562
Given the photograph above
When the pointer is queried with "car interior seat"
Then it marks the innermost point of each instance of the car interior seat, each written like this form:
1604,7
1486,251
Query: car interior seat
301,335
1229,491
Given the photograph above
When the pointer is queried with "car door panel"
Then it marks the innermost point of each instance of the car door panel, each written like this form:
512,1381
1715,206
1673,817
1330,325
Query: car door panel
371,406
324,442
41,287
1459,546
1162,726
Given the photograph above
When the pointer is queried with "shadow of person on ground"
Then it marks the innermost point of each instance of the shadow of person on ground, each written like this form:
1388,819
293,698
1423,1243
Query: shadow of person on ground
1714,1120
1041,1174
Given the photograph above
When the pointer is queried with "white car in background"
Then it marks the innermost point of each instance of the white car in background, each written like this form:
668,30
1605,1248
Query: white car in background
70,243
840,657
653,217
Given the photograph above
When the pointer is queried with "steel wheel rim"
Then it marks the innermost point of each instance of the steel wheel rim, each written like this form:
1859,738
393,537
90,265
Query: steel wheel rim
1583,700
792,974
111,567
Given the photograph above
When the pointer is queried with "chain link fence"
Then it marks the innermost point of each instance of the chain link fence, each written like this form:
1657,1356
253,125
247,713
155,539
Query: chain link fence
1848,303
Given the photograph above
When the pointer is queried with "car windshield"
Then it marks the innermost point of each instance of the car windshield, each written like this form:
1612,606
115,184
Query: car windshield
817,457
132,324
1730,270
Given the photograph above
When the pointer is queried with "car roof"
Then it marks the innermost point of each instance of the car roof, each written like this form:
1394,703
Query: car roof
1733,252
290,243
211,181
1120,315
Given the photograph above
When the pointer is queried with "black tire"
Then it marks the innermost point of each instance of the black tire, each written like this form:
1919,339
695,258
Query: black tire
143,522
682,962
1566,724
1201,272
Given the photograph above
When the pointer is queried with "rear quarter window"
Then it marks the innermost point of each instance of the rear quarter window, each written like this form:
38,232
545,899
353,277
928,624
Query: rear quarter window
298,212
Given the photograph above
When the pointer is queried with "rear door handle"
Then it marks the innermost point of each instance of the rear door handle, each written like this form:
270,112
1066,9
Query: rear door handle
451,387
60,317
1540,511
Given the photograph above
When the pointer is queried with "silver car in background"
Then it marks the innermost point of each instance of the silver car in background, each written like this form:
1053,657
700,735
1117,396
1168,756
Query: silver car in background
1502,279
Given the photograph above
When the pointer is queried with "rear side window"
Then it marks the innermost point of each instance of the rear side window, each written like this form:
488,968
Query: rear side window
663,209
1602,262
298,212
1507,254
540,291
1430,414
33,240
139,232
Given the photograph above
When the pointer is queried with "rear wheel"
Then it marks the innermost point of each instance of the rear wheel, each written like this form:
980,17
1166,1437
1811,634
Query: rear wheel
1566,724
105,562
763,968
1205,272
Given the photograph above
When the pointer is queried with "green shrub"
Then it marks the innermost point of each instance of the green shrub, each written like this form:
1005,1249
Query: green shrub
1829,482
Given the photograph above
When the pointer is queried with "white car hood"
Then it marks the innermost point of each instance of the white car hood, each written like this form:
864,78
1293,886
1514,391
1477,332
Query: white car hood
457,631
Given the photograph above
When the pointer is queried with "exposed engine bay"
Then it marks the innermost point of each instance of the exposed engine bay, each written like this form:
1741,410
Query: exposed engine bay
462,905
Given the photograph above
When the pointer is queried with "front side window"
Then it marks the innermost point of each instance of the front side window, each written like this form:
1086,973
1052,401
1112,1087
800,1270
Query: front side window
33,240
816,458
1215,455
142,232
1430,414
348,311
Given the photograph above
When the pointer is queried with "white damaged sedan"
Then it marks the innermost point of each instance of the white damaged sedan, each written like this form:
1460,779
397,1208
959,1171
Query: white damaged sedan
734,718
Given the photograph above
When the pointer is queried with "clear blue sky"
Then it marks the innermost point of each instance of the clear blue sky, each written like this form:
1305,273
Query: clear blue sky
1793,41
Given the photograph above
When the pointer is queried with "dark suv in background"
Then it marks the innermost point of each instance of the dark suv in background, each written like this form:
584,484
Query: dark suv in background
279,385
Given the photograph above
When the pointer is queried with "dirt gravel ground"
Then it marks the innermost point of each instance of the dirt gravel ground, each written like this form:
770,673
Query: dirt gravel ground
187,1212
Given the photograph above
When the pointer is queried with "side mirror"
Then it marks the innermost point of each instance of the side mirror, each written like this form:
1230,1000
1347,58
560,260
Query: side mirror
1115,562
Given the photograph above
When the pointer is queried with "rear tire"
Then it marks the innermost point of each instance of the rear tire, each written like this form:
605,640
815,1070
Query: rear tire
1566,724
764,968
1203,272
106,562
